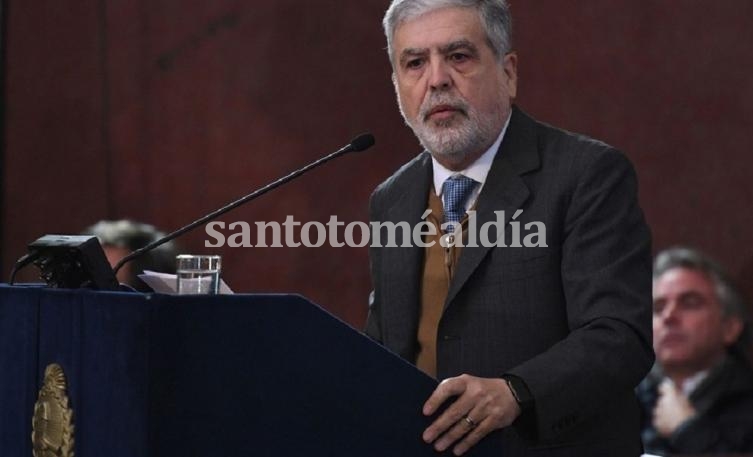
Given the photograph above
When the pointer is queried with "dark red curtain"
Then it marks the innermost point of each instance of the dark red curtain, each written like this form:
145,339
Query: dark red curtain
162,110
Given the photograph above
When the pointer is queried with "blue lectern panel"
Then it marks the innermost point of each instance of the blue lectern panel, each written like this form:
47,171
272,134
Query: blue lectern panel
298,380
18,368
245,375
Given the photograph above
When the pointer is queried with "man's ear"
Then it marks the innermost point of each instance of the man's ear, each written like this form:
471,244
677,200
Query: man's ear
732,327
510,66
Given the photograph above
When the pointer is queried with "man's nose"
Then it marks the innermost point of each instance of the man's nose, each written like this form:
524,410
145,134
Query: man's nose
669,313
440,77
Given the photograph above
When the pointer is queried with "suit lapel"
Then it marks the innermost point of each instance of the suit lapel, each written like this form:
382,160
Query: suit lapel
401,303
504,190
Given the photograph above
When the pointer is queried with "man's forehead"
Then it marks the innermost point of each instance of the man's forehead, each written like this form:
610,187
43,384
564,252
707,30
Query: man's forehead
682,280
437,29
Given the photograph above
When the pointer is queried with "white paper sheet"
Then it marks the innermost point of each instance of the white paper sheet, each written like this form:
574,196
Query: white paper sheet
165,283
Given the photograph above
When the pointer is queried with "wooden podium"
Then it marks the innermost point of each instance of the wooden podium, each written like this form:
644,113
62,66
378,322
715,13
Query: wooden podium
242,375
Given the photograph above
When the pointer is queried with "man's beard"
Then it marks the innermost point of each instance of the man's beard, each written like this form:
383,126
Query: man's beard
467,132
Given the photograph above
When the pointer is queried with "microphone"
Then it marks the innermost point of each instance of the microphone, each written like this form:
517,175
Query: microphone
359,143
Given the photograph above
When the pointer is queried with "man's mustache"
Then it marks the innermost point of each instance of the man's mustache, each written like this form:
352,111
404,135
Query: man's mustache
442,103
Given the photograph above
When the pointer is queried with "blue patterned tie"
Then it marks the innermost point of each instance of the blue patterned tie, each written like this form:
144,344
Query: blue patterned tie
456,190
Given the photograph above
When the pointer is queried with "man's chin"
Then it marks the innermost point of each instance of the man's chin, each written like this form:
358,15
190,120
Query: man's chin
444,136
446,121
673,360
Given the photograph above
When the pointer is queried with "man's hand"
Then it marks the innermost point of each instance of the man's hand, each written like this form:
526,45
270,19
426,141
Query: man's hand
483,405
671,410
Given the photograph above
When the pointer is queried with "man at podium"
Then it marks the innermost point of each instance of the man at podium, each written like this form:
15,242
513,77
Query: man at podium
530,294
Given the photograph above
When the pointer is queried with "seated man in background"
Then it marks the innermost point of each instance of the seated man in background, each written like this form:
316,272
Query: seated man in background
120,238
699,396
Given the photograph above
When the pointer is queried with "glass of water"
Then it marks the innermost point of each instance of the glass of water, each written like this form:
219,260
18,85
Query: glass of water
198,274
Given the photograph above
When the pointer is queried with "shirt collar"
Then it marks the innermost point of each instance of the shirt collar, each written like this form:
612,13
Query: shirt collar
690,384
477,171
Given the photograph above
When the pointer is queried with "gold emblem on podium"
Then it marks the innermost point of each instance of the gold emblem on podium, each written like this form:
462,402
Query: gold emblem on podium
52,424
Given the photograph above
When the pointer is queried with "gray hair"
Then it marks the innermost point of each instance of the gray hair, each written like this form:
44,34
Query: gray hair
494,14
132,235
683,257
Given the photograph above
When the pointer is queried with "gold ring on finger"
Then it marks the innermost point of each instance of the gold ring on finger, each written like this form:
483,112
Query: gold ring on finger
471,423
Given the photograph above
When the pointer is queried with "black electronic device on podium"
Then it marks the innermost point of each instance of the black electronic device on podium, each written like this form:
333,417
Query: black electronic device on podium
246,375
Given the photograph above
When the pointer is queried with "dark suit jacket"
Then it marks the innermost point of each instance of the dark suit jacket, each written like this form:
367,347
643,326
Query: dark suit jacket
572,319
724,413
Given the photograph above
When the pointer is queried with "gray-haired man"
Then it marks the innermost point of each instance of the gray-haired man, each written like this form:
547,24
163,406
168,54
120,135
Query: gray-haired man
551,339
699,397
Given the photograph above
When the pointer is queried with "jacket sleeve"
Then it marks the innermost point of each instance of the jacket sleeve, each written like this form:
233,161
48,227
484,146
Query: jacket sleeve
374,319
606,280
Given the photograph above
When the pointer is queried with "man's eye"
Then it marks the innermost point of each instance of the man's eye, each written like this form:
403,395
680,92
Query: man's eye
414,63
458,57
692,302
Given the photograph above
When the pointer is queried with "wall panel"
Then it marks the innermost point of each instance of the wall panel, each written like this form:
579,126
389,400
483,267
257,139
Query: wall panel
163,110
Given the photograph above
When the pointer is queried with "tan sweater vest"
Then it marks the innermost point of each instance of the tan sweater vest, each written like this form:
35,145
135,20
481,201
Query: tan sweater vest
438,268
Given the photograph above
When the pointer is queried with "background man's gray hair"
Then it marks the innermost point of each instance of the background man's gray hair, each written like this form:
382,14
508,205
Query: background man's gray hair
495,16
132,235
683,257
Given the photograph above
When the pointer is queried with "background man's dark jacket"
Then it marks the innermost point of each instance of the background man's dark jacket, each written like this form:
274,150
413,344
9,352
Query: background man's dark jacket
724,408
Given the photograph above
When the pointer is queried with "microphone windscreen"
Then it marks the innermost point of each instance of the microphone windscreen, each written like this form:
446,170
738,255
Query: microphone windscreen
363,141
